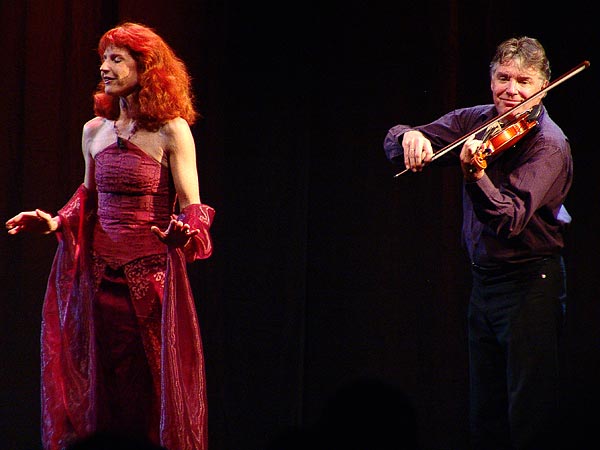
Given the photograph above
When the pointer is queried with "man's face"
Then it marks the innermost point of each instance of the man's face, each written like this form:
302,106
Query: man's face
511,85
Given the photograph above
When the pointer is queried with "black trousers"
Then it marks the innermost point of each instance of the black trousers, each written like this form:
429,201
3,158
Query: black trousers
516,316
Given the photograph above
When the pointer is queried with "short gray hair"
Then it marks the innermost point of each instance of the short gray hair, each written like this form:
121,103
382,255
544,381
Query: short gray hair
526,51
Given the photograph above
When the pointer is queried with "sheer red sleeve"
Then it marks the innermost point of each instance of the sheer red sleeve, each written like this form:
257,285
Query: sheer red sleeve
198,216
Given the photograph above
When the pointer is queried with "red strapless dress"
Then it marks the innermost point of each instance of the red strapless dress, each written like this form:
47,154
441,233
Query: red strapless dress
121,345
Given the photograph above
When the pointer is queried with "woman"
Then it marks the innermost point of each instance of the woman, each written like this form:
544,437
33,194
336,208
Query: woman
121,348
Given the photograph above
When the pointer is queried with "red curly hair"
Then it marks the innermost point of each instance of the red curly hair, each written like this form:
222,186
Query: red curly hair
164,83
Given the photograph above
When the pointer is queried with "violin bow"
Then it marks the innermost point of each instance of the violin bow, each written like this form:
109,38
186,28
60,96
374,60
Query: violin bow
574,71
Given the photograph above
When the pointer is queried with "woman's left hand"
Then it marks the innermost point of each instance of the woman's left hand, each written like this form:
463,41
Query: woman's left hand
177,233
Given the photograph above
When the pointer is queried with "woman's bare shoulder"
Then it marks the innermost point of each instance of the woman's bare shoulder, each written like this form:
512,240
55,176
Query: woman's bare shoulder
176,136
93,126
175,126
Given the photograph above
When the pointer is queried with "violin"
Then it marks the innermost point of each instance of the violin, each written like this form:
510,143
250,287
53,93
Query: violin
504,136
500,137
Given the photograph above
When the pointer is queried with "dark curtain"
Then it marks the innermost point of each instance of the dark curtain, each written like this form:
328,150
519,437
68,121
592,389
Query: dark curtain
336,297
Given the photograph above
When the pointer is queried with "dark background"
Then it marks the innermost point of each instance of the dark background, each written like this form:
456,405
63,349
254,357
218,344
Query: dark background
336,297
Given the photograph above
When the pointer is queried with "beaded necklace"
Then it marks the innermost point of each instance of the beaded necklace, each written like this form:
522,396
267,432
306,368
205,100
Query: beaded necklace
120,141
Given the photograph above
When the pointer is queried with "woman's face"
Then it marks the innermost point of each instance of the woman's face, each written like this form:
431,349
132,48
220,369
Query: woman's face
118,71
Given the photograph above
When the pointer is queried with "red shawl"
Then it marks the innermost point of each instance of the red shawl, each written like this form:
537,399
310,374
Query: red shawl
68,355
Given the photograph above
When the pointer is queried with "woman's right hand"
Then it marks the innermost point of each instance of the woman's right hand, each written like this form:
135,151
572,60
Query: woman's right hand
37,221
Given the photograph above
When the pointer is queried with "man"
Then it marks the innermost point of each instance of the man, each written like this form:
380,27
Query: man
513,231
